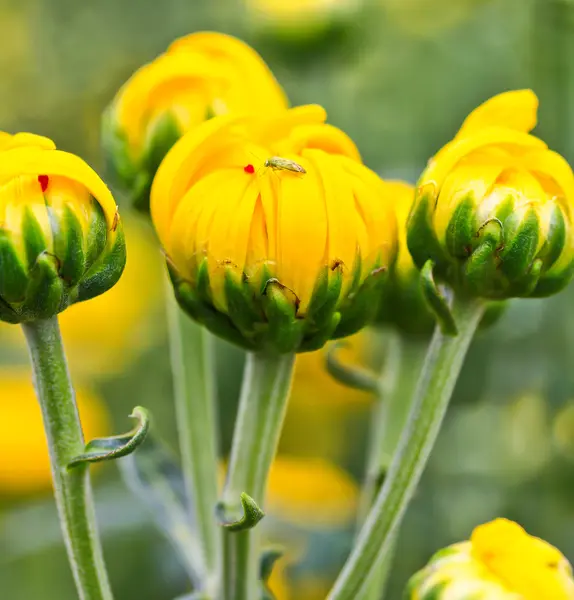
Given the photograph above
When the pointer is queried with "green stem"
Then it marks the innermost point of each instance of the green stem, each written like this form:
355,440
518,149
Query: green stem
434,389
191,354
262,408
402,359
65,440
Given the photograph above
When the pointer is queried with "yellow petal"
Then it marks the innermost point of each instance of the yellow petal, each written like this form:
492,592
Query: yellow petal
513,110
301,230
35,161
323,137
503,139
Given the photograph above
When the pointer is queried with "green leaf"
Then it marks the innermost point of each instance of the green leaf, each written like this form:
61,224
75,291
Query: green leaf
436,300
153,475
110,448
252,514
349,375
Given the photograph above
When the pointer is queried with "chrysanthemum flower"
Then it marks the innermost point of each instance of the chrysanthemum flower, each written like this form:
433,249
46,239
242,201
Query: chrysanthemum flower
276,234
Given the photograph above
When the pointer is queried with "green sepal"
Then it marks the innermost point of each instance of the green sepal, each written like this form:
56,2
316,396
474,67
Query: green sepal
553,281
421,239
324,298
520,244
45,293
8,314
267,562
33,236
97,235
106,271
218,323
526,286
69,248
349,375
460,231
436,301
361,307
555,237
319,338
240,306
480,269
202,286
161,137
13,276
251,516
285,332
113,447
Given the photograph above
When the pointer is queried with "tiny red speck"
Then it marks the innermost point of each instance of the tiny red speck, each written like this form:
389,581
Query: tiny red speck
43,181
249,169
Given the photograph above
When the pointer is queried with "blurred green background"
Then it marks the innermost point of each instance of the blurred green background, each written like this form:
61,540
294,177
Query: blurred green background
399,76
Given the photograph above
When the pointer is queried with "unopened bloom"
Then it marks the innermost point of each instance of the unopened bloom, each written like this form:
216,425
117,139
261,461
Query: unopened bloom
403,304
493,209
61,239
24,460
301,20
499,562
276,235
199,76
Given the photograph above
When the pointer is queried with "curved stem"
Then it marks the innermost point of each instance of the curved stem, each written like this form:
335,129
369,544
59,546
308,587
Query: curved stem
65,440
262,408
193,371
434,389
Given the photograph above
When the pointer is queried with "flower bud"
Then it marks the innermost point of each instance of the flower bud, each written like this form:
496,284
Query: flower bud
403,304
493,209
301,20
276,235
499,562
199,76
61,239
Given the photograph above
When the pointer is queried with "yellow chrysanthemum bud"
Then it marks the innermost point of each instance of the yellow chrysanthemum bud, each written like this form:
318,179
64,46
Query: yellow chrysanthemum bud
24,460
276,235
200,76
403,303
493,209
61,240
301,20
500,562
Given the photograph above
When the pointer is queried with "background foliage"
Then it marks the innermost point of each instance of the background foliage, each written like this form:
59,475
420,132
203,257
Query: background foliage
399,77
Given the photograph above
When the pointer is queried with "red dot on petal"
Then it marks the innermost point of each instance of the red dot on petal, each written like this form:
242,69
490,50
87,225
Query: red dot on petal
43,180
249,169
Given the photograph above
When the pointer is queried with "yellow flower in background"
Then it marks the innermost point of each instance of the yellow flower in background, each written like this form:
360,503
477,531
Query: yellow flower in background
311,492
563,431
199,76
500,562
322,410
493,209
104,335
300,20
312,232
61,239
24,461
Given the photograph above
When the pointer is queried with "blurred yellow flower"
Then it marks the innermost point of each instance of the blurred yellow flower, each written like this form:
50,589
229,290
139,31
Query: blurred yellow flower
313,229
300,19
103,335
563,431
302,588
311,492
24,461
200,76
61,239
500,562
494,208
